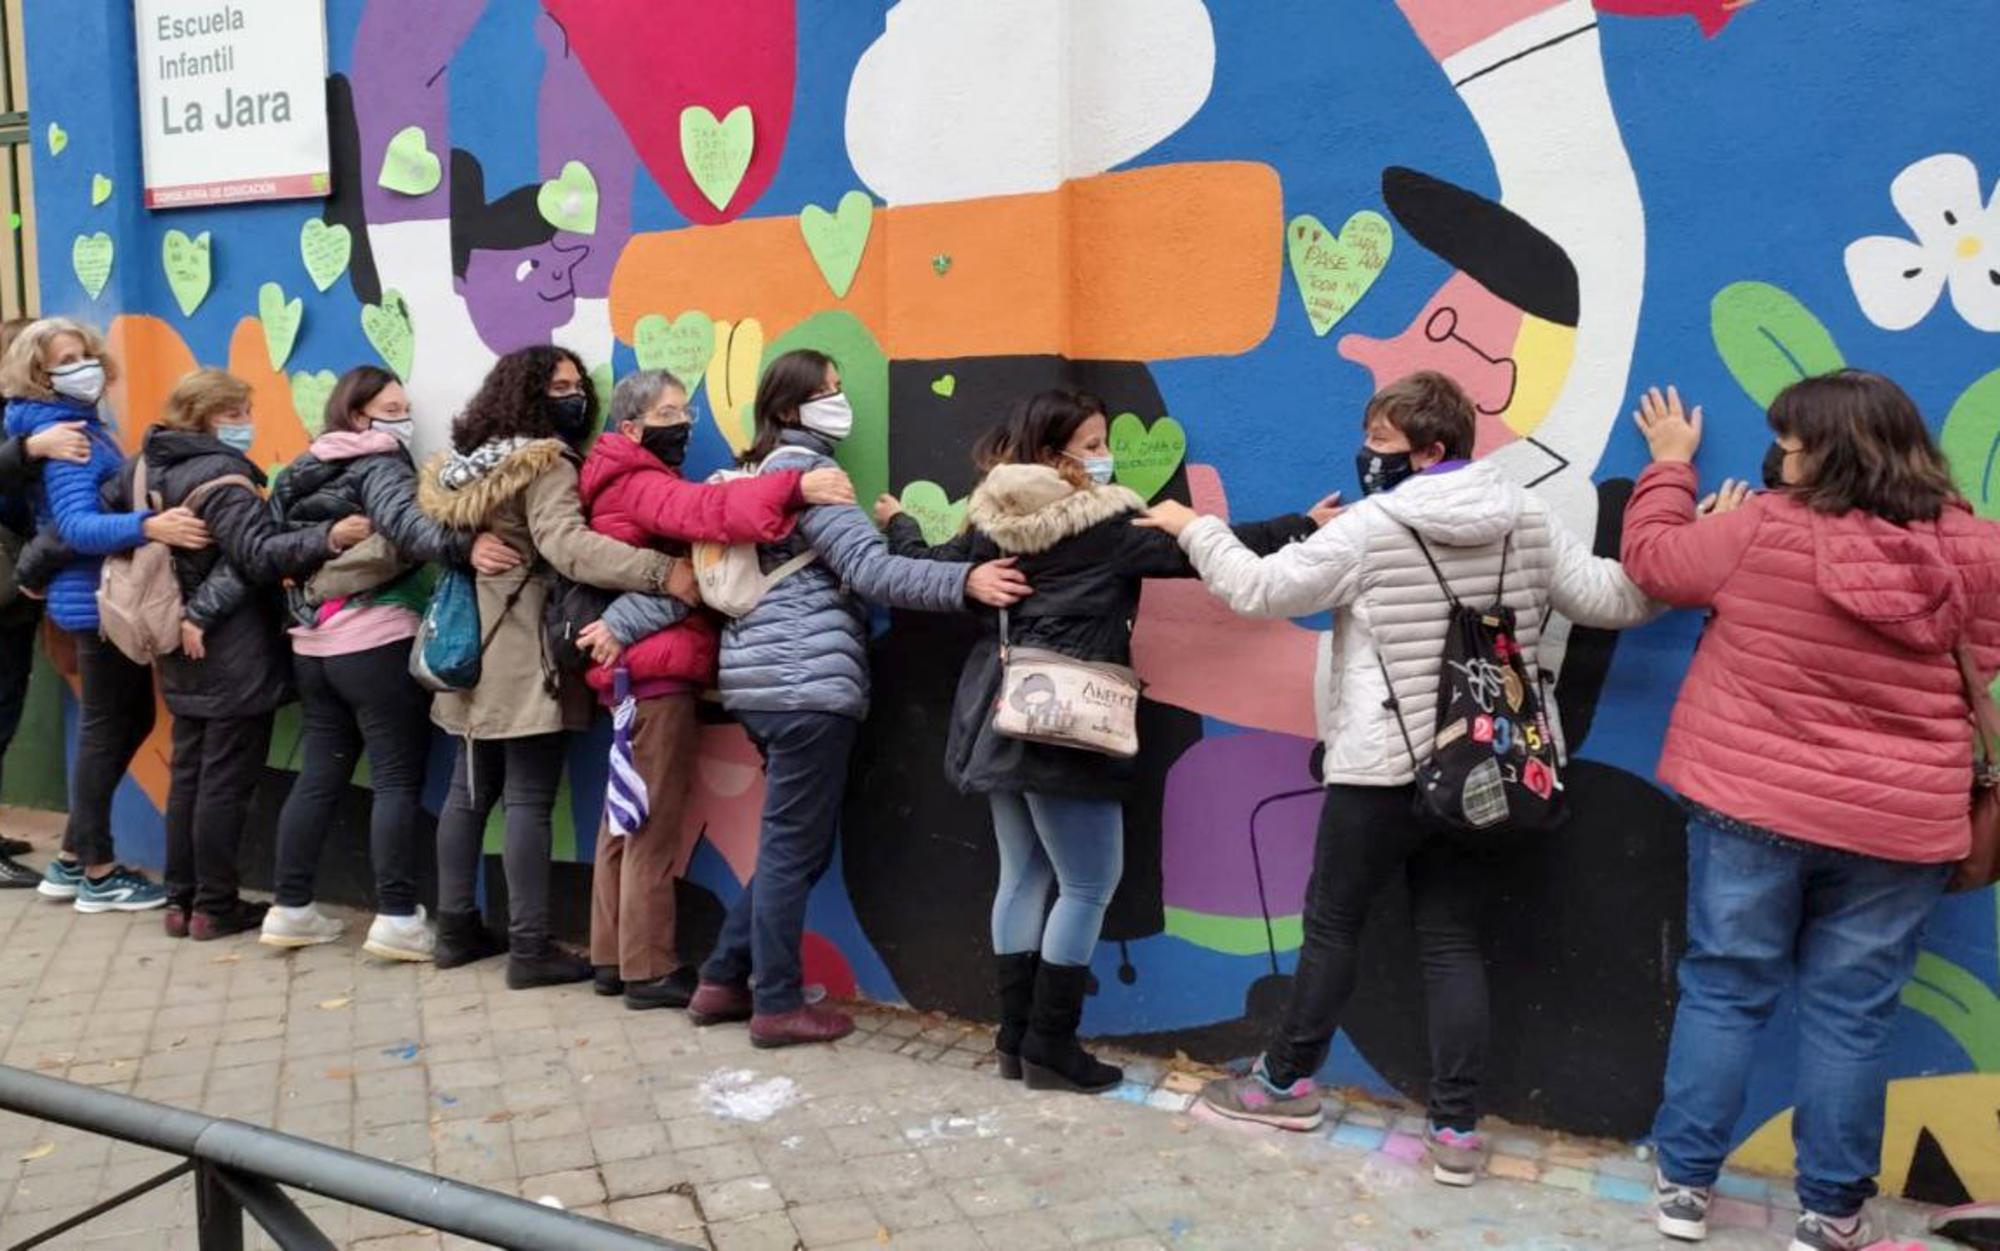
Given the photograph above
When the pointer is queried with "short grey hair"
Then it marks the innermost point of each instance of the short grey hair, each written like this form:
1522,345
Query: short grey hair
637,393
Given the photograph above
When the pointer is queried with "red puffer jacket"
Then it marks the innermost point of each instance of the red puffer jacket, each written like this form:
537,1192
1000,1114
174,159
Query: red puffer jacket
1823,703
631,496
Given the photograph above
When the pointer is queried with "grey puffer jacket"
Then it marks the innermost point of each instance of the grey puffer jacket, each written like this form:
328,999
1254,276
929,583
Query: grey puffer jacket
804,648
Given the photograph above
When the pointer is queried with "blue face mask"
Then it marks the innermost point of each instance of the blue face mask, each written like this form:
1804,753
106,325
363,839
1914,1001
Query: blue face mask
238,436
1099,468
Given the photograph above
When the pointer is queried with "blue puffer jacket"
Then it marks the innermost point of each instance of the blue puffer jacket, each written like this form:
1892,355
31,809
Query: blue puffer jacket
804,648
66,499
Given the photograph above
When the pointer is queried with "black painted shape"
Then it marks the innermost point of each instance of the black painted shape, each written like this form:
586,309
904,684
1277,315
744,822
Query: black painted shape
345,206
1587,661
1932,1178
510,222
1494,246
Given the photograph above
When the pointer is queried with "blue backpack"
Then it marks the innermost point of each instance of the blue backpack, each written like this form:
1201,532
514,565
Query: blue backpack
449,648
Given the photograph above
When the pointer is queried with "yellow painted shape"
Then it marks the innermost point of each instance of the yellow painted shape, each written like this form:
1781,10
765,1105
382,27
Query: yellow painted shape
732,379
1961,1110
1543,351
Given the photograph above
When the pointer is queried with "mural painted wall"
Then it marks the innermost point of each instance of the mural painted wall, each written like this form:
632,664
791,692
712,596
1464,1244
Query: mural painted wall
1232,221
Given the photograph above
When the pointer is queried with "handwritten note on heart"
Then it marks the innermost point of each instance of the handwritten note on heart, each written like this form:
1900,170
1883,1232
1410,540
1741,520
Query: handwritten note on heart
732,379
281,321
100,189
717,153
682,347
310,392
388,328
409,167
945,385
325,250
187,264
569,200
90,257
58,139
1335,271
938,516
837,239
1145,460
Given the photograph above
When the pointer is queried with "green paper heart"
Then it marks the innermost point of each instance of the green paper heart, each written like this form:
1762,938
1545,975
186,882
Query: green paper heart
325,250
602,381
388,328
837,239
310,392
58,139
281,321
187,264
1335,271
1143,459
717,153
945,385
683,347
100,189
90,256
937,515
13,221
569,200
408,166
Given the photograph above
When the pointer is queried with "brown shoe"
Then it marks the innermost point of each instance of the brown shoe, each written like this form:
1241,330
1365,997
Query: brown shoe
813,1023
175,918
717,1002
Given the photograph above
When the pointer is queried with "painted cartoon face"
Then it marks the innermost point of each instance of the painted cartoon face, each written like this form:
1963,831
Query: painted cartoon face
1511,363
518,296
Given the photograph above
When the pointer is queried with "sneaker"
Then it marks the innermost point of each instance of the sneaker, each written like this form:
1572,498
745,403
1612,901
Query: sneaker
717,1002
810,1023
1253,1098
121,890
1455,1154
15,846
1815,1232
15,876
240,917
1680,1211
675,990
408,938
61,880
305,926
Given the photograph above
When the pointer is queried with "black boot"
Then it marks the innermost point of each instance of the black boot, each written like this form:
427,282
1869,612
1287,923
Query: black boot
1014,978
544,964
1050,1056
463,938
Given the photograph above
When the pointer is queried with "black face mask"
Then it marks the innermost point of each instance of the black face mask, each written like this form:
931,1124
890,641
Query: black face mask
1774,466
669,443
1380,471
570,414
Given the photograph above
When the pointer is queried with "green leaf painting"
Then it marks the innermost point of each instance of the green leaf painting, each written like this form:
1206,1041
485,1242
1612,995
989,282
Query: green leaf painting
1768,339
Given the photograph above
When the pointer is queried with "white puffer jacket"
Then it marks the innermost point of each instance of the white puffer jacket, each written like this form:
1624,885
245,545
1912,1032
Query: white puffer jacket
1366,562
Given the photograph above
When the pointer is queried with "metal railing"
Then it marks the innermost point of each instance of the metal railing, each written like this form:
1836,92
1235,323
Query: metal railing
238,1171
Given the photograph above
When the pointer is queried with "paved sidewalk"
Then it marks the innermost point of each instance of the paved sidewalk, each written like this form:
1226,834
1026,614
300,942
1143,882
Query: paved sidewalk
900,1137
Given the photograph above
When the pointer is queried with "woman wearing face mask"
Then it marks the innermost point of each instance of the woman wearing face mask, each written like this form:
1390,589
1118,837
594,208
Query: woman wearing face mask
232,671
351,629
512,469
633,490
54,374
1045,497
795,672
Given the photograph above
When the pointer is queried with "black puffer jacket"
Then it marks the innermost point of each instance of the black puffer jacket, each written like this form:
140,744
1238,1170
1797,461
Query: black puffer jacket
229,588
1086,562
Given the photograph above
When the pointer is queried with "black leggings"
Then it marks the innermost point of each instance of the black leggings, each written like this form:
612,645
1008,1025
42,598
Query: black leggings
115,716
362,700
522,773
1366,835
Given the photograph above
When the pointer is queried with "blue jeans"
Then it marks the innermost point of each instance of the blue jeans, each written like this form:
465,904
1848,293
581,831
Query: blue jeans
805,777
1077,844
1840,929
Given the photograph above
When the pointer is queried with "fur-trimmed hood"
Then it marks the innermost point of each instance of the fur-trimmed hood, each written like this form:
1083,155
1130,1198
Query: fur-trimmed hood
1027,509
467,506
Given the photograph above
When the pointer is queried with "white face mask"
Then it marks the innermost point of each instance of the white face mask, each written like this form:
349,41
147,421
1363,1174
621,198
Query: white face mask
401,431
1099,468
830,415
80,380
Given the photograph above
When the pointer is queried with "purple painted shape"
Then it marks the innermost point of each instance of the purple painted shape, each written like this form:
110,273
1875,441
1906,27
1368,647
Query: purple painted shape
401,54
518,296
573,123
1212,793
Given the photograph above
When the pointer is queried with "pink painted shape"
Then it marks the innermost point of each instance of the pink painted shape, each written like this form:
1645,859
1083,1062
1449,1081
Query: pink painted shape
652,58
1480,320
1737,1214
725,800
1194,653
825,966
1448,27
1711,15
1406,1147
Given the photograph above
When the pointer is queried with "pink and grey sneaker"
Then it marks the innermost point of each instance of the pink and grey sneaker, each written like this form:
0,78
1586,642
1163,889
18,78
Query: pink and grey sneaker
1455,1154
1816,1231
1253,1098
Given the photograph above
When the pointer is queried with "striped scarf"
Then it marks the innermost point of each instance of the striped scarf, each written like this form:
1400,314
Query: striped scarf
625,802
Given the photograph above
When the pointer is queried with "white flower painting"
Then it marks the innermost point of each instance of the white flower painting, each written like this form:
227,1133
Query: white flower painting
1897,281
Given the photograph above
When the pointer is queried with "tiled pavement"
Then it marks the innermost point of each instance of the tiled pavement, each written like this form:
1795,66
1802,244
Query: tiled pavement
901,1136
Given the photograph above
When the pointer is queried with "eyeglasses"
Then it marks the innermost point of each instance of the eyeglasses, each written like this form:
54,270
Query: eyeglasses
670,414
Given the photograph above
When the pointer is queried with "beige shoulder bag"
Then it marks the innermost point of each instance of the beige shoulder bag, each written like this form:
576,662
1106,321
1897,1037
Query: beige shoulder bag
1046,697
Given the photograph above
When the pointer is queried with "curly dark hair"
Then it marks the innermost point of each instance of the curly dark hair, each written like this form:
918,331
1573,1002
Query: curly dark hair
511,400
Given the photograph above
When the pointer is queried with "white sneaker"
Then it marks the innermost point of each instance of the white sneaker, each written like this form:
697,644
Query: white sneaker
402,938
299,927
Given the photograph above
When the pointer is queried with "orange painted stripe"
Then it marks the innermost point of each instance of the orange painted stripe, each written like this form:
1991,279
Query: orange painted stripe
1148,264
